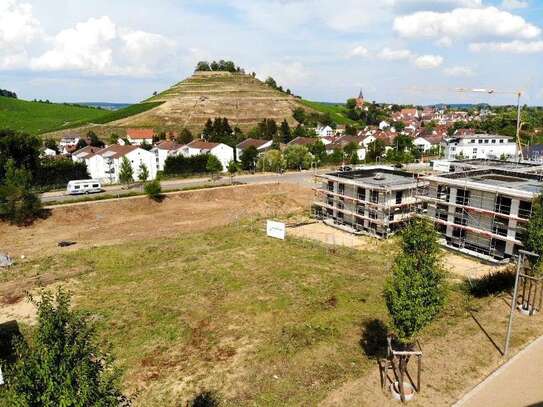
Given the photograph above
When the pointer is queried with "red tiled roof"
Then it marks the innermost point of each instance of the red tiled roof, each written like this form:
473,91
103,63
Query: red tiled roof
89,150
168,145
303,141
251,142
202,145
116,151
140,134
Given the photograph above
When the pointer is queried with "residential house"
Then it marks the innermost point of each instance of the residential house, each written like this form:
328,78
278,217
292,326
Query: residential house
105,164
67,144
341,142
488,146
303,141
426,142
224,153
138,137
324,131
259,144
162,151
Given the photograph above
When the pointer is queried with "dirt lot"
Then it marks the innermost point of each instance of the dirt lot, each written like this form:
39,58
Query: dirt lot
106,223
458,264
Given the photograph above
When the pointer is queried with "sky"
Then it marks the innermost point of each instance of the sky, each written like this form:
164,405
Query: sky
397,51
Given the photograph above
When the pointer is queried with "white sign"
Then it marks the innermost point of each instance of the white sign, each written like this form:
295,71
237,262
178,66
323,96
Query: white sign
276,229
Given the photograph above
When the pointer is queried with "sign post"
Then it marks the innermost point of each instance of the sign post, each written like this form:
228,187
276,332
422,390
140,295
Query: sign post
275,229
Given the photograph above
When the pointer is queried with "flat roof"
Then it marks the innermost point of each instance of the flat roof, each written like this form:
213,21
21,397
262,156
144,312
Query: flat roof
503,164
376,177
498,180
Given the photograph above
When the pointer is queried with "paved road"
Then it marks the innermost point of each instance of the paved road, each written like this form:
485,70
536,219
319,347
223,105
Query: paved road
304,178
517,383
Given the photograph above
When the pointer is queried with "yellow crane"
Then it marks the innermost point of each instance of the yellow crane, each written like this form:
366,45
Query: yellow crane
518,94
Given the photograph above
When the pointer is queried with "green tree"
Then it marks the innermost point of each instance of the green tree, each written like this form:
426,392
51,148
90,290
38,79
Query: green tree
94,141
298,157
267,129
62,363
351,150
18,203
143,172
271,160
337,156
113,138
318,149
351,103
202,66
299,131
213,165
284,131
184,137
126,173
532,238
153,190
22,148
232,169
271,82
299,115
375,150
415,292
248,158
51,144
81,144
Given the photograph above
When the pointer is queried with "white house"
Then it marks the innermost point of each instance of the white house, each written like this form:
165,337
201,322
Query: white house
427,142
368,139
140,136
68,143
224,153
162,151
324,131
105,164
259,144
485,146
384,125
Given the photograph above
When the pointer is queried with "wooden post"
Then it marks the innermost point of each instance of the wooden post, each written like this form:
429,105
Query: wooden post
400,382
419,363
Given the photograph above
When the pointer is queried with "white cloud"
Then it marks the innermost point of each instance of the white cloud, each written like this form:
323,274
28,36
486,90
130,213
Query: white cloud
428,61
514,4
287,74
18,28
98,46
465,23
409,6
394,54
358,51
516,47
458,71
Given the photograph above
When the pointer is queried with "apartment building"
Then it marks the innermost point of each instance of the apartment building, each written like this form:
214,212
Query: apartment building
485,146
482,212
373,200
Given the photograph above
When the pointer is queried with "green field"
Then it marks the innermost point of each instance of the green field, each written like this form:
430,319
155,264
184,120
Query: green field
337,111
37,118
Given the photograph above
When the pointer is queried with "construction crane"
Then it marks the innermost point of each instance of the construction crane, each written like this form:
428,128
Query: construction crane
518,93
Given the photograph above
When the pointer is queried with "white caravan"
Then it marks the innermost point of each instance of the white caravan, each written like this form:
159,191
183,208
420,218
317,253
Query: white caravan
85,186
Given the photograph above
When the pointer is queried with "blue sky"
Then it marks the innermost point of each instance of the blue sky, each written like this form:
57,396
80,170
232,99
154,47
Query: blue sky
403,51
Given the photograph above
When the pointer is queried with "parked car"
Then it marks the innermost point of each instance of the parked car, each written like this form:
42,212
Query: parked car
85,186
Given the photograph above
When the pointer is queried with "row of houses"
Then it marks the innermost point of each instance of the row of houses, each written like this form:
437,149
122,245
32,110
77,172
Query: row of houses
480,209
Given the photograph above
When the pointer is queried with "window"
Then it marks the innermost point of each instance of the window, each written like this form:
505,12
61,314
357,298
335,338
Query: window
360,209
331,186
361,194
95,185
443,192
459,233
499,228
493,141
330,200
480,141
76,187
501,141
375,196
399,196
524,209
391,217
475,151
462,197
472,141
442,212
503,204
486,141
341,188
372,214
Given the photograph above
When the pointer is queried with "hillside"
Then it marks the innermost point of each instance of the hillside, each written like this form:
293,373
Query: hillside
244,100
37,118
337,111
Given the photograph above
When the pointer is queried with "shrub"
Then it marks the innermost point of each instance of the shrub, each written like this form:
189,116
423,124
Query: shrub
180,165
153,189
62,364
205,399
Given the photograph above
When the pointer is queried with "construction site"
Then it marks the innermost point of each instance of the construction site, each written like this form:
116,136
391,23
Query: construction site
375,200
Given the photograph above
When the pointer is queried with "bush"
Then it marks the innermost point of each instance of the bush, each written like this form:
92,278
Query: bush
57,172
180,165
205,399
18,203
153,189
62,364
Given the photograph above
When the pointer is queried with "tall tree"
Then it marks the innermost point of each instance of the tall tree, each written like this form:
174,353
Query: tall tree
248,158
415,292
126,173
143,172
18,203
532,238
298,157
213,165
284,130
202,66
207,132
184,137
62,363
22,148
299,115
94,140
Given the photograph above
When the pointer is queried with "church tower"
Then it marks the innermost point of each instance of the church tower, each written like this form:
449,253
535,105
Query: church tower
360,100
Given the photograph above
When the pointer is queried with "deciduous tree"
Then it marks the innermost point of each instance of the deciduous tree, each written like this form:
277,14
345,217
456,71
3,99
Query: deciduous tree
126,173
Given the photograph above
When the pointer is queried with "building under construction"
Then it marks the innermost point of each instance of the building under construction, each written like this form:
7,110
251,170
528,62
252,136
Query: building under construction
373,200
482,212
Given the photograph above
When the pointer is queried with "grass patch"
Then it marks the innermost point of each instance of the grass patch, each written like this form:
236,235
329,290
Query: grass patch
337,111
37,118
127,112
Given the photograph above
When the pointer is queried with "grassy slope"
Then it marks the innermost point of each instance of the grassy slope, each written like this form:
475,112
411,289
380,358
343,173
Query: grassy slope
126,112
337,111
36,118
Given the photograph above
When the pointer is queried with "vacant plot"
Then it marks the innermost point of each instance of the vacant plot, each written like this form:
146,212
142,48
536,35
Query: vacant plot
193,296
